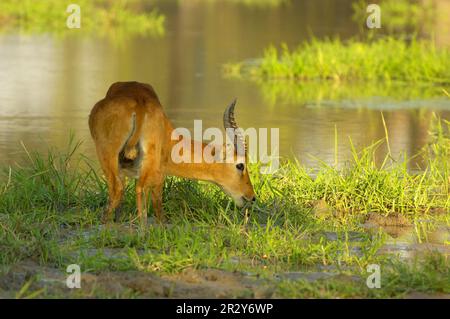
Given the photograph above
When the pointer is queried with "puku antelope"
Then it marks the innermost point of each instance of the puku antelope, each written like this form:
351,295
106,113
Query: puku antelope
132,136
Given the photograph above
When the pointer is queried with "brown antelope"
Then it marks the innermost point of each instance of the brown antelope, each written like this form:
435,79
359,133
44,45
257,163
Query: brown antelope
132,136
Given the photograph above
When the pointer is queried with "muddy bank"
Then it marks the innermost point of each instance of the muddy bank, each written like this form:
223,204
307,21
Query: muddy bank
31,280
209,283
48,282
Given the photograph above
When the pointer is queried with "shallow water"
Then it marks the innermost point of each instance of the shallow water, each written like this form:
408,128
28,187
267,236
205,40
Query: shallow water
415,241
49,84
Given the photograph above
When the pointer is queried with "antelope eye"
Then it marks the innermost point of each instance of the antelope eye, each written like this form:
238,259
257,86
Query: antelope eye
240,166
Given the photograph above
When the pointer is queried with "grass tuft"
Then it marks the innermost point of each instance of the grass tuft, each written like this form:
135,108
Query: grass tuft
386,59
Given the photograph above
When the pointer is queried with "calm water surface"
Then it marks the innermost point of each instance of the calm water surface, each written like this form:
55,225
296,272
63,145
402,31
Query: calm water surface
49,84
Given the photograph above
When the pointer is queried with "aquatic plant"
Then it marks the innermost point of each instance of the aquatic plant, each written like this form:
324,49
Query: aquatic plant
386,59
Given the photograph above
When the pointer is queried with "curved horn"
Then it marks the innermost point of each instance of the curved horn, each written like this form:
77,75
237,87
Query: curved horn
230,122
228,116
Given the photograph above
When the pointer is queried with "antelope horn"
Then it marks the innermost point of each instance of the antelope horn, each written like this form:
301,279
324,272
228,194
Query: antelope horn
230,122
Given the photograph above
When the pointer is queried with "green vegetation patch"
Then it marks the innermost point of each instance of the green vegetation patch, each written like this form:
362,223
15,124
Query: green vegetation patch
99,16
386,59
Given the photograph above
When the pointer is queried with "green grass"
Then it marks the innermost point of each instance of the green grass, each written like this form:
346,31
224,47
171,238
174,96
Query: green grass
386,59
102,17
50,208
333,70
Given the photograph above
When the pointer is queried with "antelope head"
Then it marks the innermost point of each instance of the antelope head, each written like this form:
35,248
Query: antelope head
237,182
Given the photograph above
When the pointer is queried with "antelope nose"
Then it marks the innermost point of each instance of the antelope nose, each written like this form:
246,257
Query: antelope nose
254,199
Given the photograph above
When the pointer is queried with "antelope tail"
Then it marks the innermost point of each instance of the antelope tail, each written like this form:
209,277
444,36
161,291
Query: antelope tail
131,147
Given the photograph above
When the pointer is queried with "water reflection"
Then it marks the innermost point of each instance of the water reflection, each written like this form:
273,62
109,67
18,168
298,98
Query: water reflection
410,241
48,85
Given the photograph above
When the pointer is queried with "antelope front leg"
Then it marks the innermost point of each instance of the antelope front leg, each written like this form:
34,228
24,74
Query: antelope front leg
141,203
156,192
